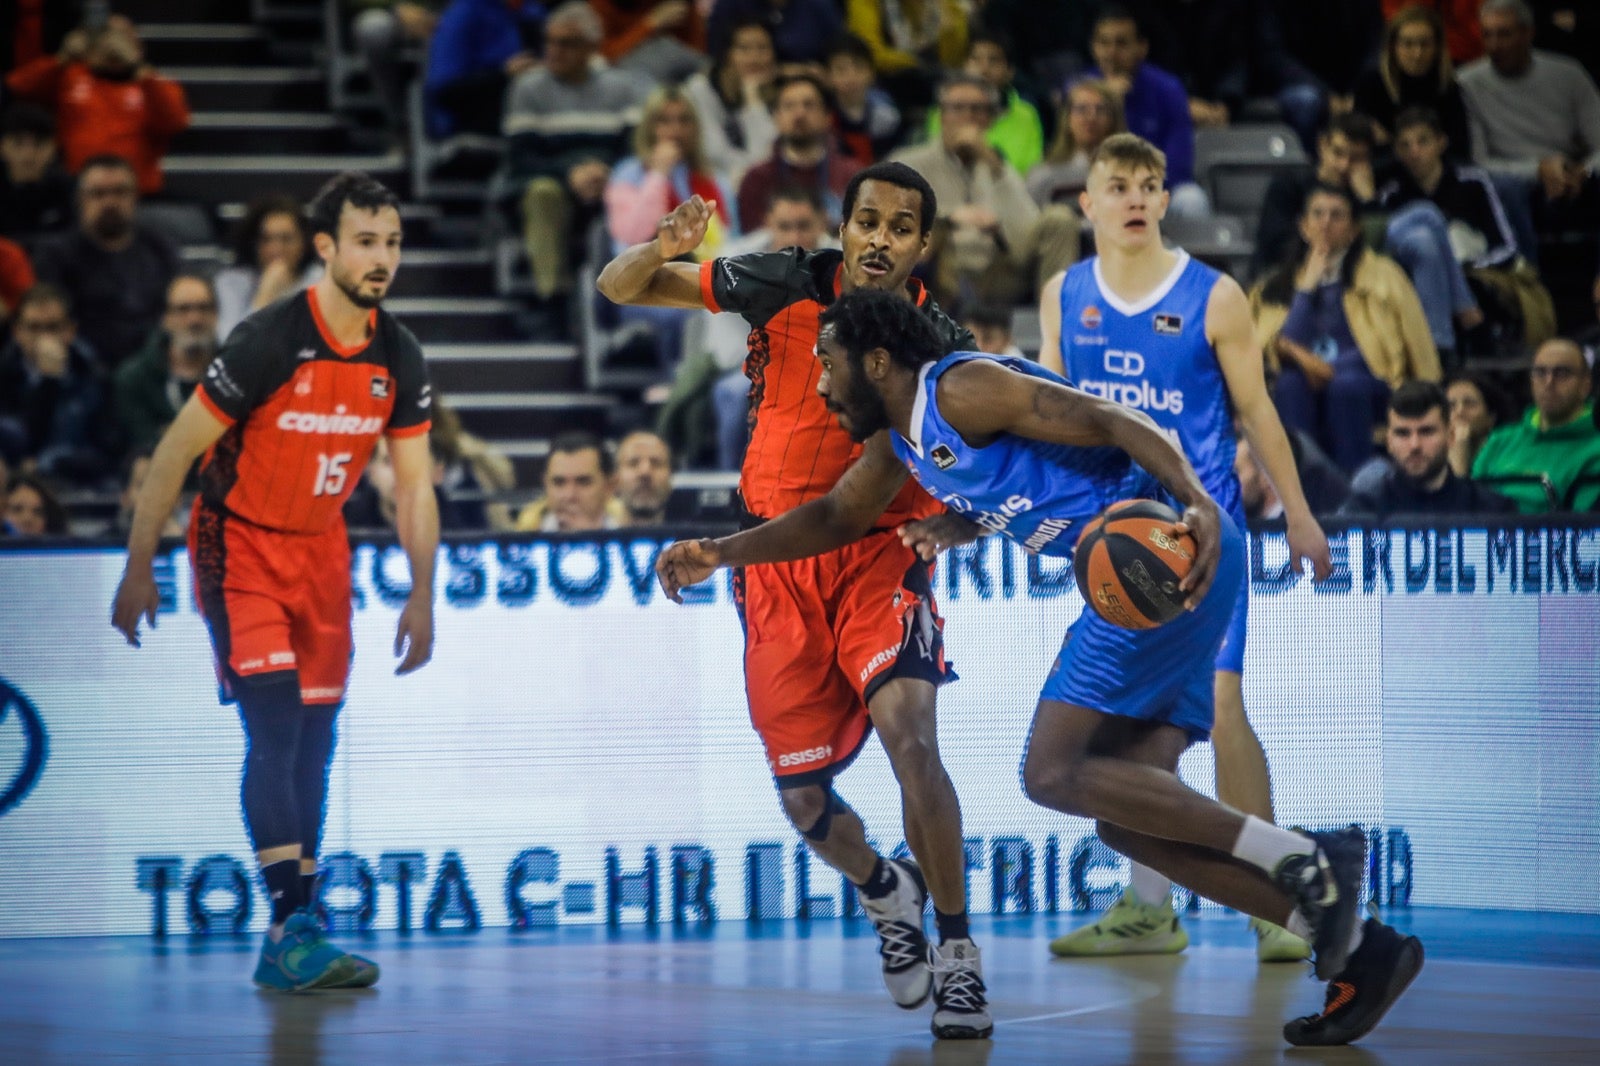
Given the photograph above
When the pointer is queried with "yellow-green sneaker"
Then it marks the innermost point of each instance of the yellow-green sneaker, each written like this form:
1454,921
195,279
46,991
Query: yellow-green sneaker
1274,943
1129,927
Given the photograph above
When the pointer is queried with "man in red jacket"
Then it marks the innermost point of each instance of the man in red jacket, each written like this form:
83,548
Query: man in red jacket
107,100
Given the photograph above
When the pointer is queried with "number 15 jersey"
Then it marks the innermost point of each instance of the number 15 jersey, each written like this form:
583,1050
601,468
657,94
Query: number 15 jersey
305,412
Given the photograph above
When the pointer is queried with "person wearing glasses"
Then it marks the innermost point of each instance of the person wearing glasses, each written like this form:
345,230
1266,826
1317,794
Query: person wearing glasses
153,385
1557,438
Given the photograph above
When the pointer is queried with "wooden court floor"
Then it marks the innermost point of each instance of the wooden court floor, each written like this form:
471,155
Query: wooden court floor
1497,988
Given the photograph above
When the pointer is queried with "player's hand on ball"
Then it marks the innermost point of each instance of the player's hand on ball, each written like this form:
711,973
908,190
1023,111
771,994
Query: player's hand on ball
413,637
1307,543
1204,523
682,231
930,536
688,562
137,597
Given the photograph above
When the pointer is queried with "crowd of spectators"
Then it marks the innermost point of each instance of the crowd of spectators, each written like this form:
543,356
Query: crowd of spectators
1395,280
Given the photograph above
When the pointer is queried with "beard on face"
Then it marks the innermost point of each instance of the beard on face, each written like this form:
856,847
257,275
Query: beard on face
196,343
863,407
111,224
352,290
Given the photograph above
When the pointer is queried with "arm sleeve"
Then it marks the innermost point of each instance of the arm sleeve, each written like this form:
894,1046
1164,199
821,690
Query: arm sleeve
242,375
38,80
413,401
1179,144
757,285
166,108
1586,115
1298,326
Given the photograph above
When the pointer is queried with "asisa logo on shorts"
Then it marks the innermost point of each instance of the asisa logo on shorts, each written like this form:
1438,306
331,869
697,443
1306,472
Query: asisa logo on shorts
23,746
810,755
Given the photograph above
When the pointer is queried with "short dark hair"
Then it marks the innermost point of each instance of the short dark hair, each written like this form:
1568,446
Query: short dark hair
848,44
106,161
987,316
579,440
1418,116
864,319
799,194
1415,399
801,77
45,293
1354,125
1118,13
1322,188
1502,407
28,119
999,38
897,174
248,232
957,78
193,275
359,190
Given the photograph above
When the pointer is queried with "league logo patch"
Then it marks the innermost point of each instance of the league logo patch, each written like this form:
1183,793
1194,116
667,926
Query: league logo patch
380,388
1090,317
943,457
307,353
1168,325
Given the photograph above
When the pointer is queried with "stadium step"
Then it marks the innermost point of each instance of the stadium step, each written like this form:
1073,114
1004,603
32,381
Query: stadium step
444,272
461,369
168,44
220,88
458,320
147,13
505,415
262,132
211,179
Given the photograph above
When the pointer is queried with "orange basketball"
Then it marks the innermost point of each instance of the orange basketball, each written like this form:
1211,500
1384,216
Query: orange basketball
1129,564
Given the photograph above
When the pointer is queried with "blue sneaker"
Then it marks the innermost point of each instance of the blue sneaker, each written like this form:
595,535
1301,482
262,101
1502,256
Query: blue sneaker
365,976
302,960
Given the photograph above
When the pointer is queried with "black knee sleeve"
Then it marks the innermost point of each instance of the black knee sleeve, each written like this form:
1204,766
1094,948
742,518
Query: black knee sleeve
273,716
831,805
312,760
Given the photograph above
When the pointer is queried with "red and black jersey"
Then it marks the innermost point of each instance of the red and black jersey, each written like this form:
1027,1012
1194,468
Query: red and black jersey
797,451
305,412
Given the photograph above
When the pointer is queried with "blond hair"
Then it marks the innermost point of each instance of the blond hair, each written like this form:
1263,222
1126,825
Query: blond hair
1065,145
644,135
1129,151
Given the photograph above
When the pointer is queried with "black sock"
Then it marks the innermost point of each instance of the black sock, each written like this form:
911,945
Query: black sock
308,891
881,882
951,926
283,888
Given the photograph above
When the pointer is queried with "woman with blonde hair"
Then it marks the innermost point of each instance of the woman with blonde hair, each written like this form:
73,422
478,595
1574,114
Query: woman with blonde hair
1414,70
1092,112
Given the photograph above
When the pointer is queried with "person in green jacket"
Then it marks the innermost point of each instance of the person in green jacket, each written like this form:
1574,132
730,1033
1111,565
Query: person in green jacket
1557,438
153,384
1018,132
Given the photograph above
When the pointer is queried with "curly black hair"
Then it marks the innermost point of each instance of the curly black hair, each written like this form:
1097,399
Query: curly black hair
864,319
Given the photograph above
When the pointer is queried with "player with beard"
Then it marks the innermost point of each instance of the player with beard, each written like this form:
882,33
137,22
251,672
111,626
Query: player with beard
850,641
286,419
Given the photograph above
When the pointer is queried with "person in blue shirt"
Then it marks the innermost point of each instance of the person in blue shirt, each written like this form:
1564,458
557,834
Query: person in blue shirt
1017,450
1159,331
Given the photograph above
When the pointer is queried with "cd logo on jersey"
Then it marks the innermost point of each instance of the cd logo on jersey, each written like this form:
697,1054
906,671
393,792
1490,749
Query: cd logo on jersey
1168,325
1090,317
943,457
22,761
380,387
1124,364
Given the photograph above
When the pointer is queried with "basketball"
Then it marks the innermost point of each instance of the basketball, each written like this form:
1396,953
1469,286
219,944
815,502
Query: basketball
1129,564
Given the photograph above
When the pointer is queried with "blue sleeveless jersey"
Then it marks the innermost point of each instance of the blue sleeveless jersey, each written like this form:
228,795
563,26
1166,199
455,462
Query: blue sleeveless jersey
1154,356
1036,493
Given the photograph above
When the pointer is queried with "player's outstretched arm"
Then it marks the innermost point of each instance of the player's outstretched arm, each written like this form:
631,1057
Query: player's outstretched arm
416,519
1229,329
1050,324
645,273
841,517
982,400
191,433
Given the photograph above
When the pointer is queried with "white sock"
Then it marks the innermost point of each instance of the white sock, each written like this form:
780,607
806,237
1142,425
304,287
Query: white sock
1355,934
1264,845
1298,925
1148,886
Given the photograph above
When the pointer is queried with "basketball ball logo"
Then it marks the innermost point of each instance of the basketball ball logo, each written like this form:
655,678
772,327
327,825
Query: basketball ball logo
1130,564
1090,317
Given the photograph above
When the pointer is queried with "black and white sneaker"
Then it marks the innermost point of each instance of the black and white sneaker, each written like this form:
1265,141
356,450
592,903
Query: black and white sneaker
1378,972
902,941
960,1000
1326,888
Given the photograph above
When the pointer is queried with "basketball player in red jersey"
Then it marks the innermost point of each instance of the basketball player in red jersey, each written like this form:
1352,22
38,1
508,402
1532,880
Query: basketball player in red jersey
849,641
286,419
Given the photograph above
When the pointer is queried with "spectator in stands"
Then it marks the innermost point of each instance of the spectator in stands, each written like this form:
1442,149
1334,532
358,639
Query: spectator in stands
1154,104
1477,408
1016,133
471,473
1315,53
1414,70
579,485
1557,439
800,29
1342,326
52,393
272,258
1463,40
33,28
644,477
1092,113
1570,27
1344,152
1050,36
804,153
866,121
32,509
35,193
107,100
153,385
991,242
1207,46
135,465
1535,121
567,124
385,33
1416,478
16,276
663,40
734,101
113,270
991,328
913,42
478,47
1326,486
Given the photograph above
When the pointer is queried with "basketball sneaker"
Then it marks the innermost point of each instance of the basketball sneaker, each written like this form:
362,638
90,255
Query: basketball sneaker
1130,927
365,975
1274,943
1374,977
960,1006
301,959
1326,887
902,941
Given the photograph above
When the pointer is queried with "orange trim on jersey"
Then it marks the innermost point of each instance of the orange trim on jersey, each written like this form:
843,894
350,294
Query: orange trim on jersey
919,291
706,295
327,334
409,431
211,405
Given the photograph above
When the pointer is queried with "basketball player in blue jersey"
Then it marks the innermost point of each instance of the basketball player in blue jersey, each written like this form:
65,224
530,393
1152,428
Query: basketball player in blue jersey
1016,449
1165,334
